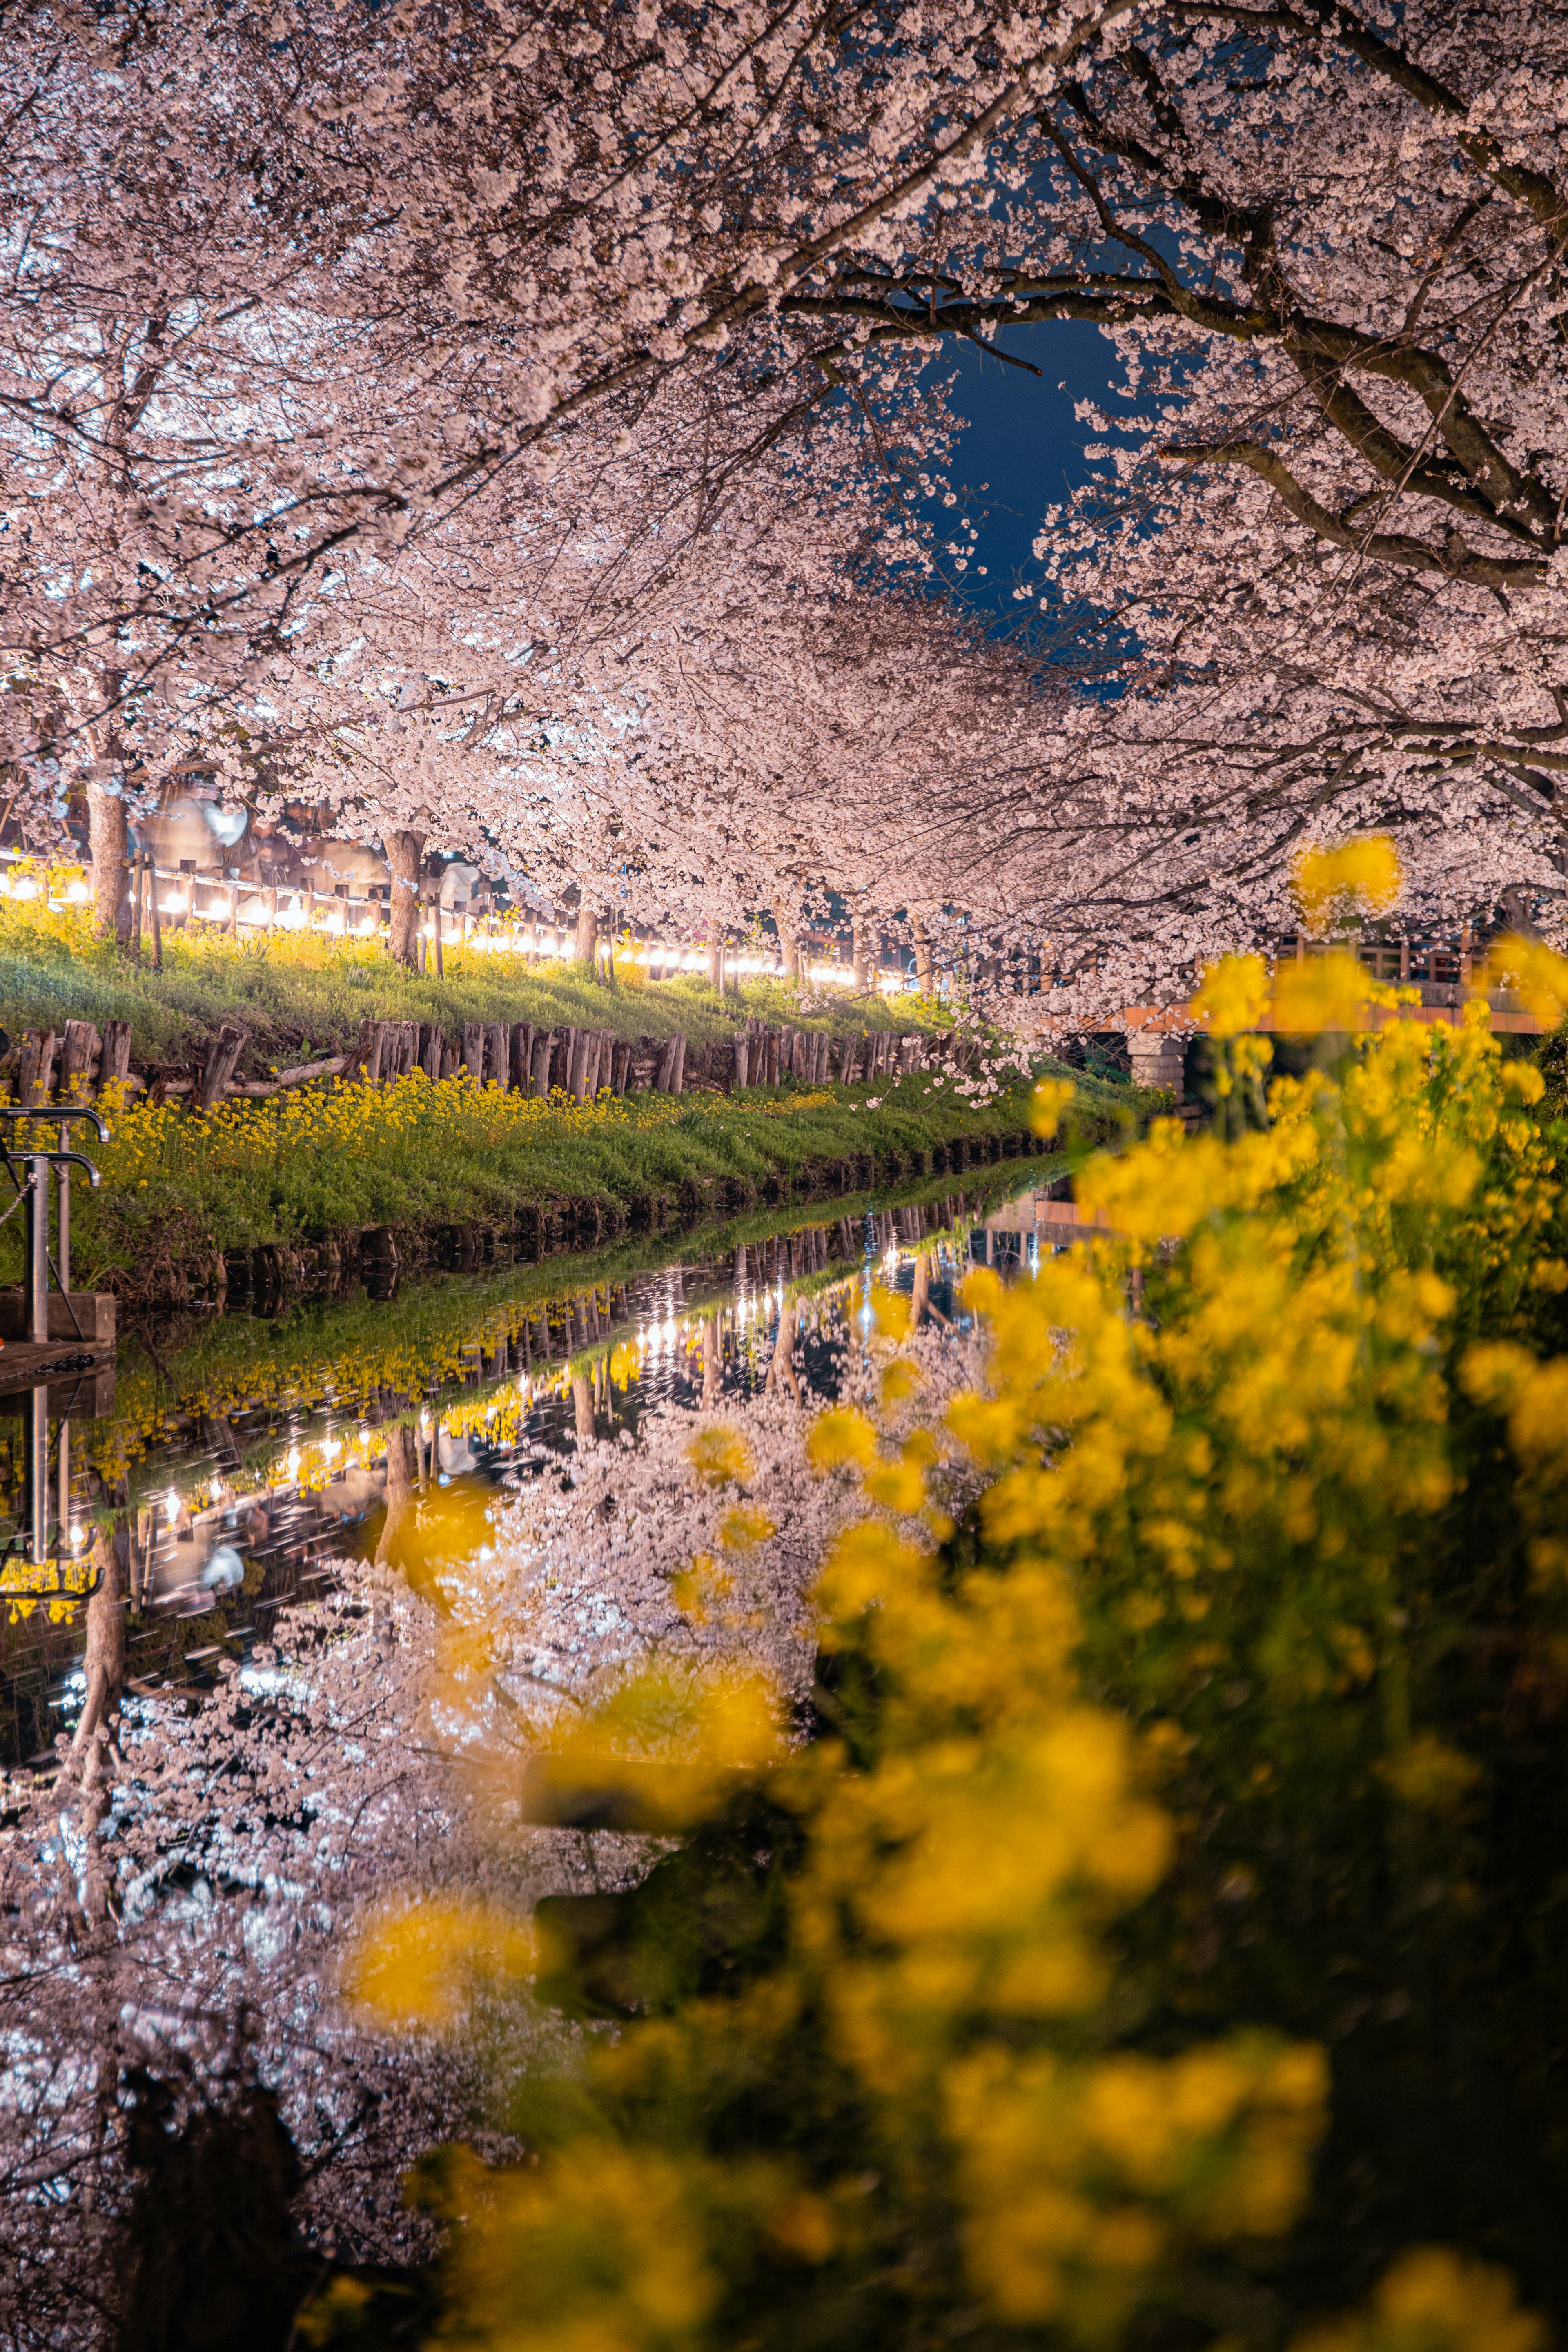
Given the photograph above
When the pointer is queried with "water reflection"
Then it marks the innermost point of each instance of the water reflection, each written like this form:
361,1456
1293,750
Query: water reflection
234,1468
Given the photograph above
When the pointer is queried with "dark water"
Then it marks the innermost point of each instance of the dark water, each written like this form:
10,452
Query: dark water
240,1452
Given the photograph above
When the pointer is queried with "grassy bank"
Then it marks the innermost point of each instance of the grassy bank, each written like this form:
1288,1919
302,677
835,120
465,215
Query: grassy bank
322,1165
301,997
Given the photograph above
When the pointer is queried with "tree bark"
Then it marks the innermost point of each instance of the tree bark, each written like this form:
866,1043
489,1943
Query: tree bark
587,934
404,852
789,944
403,1467
925,963
782,1373
108,840
864,951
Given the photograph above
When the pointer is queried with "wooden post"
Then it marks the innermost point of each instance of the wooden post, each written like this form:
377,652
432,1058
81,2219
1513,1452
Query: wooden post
37,1066
1464,955
430,1049
474,1050
521,1056
497,1056
366,1054
138,887
81,1042
742,1057
114,1062
543,1045
664,1074
220,1065
622,1069
451,1058
569,1072
157,918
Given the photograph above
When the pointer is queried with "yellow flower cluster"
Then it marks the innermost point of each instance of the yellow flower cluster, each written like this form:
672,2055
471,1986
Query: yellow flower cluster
414,1113
1216,1440
1358,876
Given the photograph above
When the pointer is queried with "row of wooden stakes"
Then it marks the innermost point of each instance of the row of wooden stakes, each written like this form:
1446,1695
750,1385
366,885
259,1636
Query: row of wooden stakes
81,1063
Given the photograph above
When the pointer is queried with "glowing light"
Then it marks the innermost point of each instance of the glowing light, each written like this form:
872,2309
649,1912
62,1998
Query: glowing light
78,1538
77,895
171,1507
293,1461
24,889
329,1448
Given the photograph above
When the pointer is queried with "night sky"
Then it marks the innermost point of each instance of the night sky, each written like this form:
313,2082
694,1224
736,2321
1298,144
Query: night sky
1022,439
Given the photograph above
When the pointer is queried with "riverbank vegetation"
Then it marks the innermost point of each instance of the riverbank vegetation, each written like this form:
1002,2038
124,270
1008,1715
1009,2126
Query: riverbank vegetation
305,1169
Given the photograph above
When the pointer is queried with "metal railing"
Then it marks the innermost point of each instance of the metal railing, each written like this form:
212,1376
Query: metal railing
30,1169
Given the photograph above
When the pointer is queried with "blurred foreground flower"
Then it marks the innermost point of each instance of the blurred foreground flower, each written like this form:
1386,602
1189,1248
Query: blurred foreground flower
1358,877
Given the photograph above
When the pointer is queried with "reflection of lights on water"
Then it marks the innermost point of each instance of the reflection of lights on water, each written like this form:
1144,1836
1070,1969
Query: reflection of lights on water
171,1507
293,1461
329,1448
78,1538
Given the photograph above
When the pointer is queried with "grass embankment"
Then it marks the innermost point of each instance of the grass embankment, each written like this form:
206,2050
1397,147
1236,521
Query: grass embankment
324,1165
304,997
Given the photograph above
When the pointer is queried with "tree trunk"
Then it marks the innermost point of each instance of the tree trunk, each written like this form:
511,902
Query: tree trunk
716,960
782,1373
925,965
588,935
864,952
104,1663
109,839
582,1412
404,852
403,1466
789,944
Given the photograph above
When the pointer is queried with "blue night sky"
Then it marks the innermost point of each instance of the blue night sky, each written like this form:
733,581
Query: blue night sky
1022,439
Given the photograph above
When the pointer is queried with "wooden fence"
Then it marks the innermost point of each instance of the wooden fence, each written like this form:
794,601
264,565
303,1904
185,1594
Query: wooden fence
81,1063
